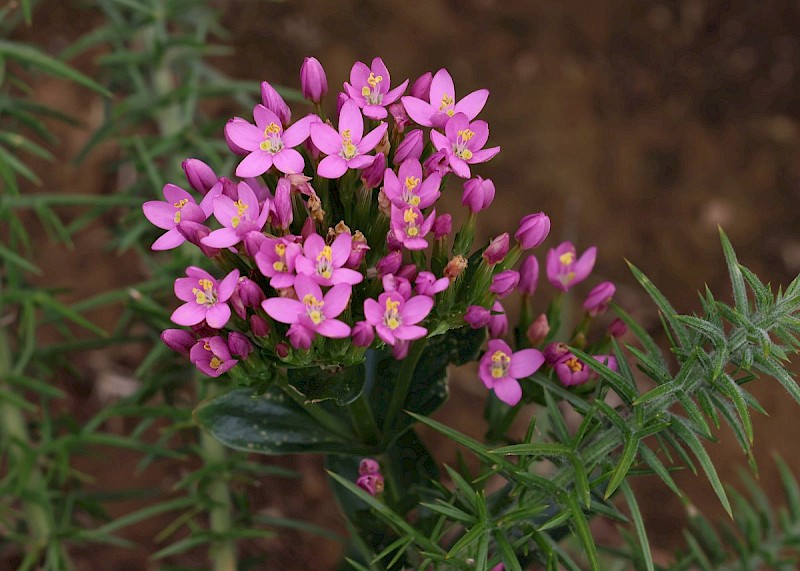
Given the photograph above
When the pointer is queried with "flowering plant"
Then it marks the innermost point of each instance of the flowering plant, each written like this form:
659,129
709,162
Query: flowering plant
337,296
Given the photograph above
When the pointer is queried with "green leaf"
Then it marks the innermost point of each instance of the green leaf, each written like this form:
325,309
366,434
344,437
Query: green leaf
623,464
581,525
271,423
343,385
638,523
737,280
667,311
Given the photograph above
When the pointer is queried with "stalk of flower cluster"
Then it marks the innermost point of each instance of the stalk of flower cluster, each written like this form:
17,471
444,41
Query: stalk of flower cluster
400,394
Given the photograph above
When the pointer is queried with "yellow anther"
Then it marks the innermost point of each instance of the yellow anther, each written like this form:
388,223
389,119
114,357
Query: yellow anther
412,182
574,365
409,216
206,346
309,299
272,129
325,254
374,80
365,91
181,203
466,134
567,258
346,135
412,231
392,323
315,316
392,306
466,154
265,146
215,362
177,217
500,363
279,266
500,357
447,101
450,112
280,249
240,207
206,284
235,221
200,296
414,200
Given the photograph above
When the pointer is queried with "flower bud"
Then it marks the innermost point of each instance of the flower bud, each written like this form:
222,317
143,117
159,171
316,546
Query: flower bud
498,322
427,284
392,243
565,269
299,336
358,251
282,350
528,275
442,226
309,227
477,316
313,82
389,264
250,292
371,483
273,101
454,267
598,299
400,349
533,229
617,328
504,283
422,86
554,352
538,330
400,116
259,326
408,272
194,232
369,466
362,334
496,250
253,241
239,345
340,99
478,194
401,285
410,147
236,149
179,340
199,175
437,163
283,214
372,176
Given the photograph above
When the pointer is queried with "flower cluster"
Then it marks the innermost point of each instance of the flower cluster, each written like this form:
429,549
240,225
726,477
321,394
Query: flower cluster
329,242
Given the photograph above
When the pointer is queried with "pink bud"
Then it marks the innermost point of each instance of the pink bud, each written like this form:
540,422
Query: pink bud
250,292
408,272
179,340
498,322
369,466
598,299
400,349
399,284
371,483
528,275
496,250
442,226
504,283
372,176
617,328
427,284
259,326
236,149
199,174
478,194
283,204
400,116
538,330
437,163
239,345
389,264
282,350
194,232
554,352
309,228
313,82
300,336
422,86
362,334
477,316
340,99
410,147
358,250
533,229
273,101
392,243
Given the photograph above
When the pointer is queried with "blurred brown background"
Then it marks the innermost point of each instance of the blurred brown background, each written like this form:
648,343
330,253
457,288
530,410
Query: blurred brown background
639,126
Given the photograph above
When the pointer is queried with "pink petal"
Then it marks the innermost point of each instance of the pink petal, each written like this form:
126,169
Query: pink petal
350,119
169,240
190,313
472,104
289,161
283,309
254,164
305,266
358,75
340,249
379,68
248,198
484,155
481,130
347,276
416,309
325,138
332,166
160,214
222,238
373,311
441,85
410,332
264,117
360,162
508,390
394,94
457,122
299,131
376,112
385,334
336,300
313,245
460,168
525,363
244,135
183,289
304,285
218,315
173,193
227,286
334,329
372,139
420,111
440,141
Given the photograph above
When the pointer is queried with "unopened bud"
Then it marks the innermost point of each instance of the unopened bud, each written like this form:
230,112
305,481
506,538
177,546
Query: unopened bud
259,326
538,330
442,226
239,345
496,250
358,250
199,175
273,101
313,82
421,89
617,328
363,334
372,176
282,350
410,147
179,340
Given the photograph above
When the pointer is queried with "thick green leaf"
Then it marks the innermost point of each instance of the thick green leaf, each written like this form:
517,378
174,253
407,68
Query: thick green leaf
271,423
342,385
737,280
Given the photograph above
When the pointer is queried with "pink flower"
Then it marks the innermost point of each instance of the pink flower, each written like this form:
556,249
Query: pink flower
407,188
312,310
369,466
441,104
564,269
410,227
463,143
395,318
598,299
268,144
212,356
372,176
478,194
346,149
427,284
325,264
313,82
410,147
572,371
276,260
179,206
205,298
498,322
238,217
528,275
369,88
500,368
533,229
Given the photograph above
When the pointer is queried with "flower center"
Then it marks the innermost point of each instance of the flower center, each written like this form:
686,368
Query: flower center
574,365
391,317
215,362
460,146
349,150
371,91
567,258
447,104
500,363
178,205
279,265
410,218
409,197
207,295
314,308
272,142
240,208
324,263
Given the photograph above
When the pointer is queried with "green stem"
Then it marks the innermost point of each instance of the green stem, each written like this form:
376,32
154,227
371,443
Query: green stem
400,394
364,420
315,410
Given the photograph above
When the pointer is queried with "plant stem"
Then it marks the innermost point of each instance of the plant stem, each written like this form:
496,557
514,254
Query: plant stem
400,394
364,420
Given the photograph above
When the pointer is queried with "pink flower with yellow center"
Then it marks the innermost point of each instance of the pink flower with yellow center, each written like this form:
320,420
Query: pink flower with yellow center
442,104
180,206
408,188
395,319
311,310
369,88
410,227
212,356
267,143
500,368
324,263
463,143
276,260
239,217
347,148
565,269
205,297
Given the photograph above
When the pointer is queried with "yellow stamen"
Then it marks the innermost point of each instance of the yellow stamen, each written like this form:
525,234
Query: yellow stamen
206,346
447,101
392,323
412,182
413,231
265,146
240,207
272,129
315,316
177,217
466,134
374,80
279,266
466,154
450,112
410,216
365,91
181,203
206,284
414,200
574,365
500,363
280,249
235,221
567,258
326,253
199,296
215,362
